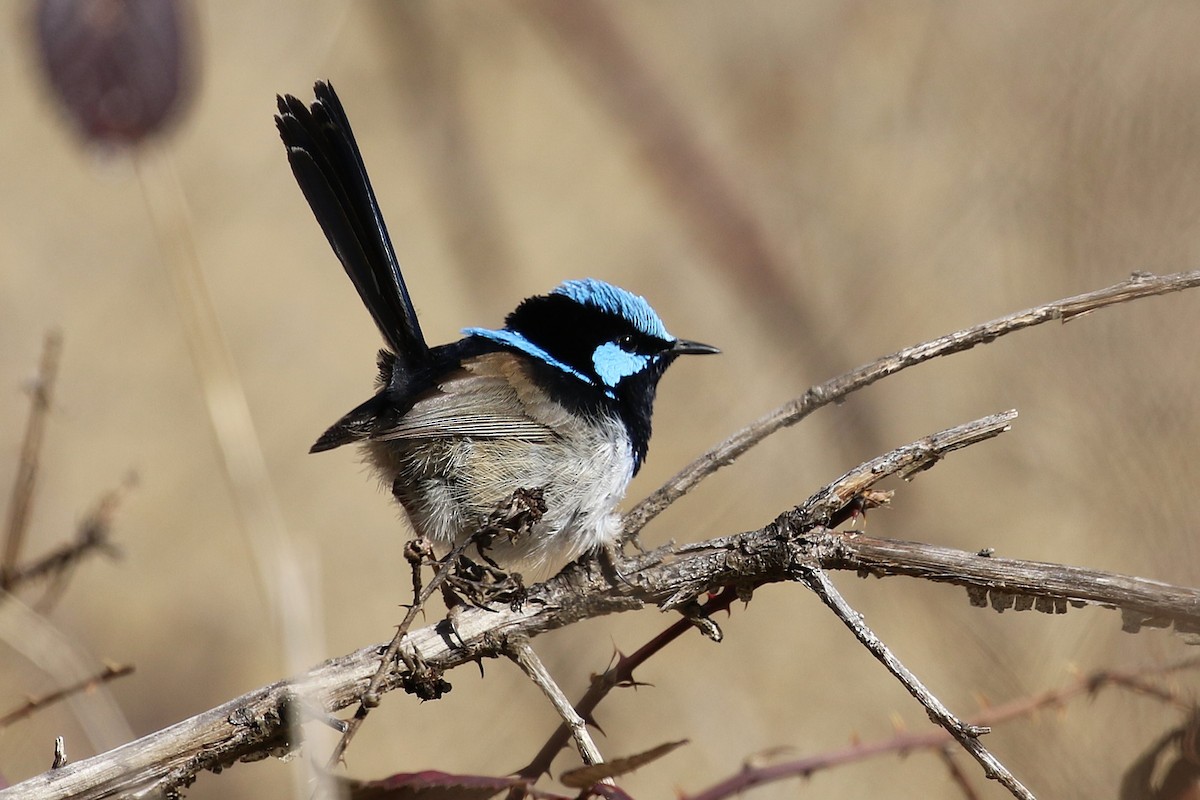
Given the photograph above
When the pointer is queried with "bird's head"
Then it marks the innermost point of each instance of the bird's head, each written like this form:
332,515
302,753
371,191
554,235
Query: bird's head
607,344
601,335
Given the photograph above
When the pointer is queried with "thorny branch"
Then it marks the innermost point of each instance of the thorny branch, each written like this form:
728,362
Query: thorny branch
794,545
511,518
620,673
1140,284
256,723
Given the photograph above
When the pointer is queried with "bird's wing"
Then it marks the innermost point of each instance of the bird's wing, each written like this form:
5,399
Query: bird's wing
489,397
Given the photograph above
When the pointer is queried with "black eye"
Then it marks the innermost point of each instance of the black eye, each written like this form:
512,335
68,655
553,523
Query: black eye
626,342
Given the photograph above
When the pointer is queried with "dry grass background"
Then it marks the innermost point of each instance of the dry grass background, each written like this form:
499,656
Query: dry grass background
917,167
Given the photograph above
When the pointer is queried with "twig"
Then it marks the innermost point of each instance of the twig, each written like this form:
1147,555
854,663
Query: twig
60,659
518,649
92,536
109,673
512,517
904,462
27,467
1005,583
619,674
937,738
966,735
370,695
1138,286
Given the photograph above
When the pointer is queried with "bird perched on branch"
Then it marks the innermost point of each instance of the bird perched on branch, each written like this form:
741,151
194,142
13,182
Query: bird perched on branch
559,399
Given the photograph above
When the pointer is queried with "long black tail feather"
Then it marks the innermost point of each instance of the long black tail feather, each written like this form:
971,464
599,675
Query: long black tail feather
329,168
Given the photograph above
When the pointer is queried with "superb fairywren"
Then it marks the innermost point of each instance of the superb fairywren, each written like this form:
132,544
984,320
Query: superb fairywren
559,399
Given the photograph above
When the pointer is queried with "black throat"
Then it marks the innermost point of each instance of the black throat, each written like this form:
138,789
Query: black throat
631,402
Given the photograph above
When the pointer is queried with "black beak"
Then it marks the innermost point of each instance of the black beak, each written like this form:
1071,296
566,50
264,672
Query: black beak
683,347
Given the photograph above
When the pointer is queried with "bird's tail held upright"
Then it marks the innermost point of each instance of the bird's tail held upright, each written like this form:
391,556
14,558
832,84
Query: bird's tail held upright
329,168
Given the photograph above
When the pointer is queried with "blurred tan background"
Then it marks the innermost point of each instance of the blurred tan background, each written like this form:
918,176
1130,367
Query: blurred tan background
906,169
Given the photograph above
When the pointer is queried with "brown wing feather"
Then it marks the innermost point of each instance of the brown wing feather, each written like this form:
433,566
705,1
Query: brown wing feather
483,399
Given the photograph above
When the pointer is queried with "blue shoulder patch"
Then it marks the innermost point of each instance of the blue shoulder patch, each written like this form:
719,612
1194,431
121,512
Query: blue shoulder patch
615,300
518,342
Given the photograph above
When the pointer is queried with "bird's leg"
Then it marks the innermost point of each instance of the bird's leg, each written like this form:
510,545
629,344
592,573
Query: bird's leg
488,582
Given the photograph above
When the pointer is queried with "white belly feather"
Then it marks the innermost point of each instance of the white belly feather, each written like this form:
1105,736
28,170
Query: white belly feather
449,484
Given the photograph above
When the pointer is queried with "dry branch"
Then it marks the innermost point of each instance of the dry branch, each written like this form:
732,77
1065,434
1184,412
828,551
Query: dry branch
27,467
1006,583
256,724
34,704
965,734
525,657
93,535
1140,284
794,547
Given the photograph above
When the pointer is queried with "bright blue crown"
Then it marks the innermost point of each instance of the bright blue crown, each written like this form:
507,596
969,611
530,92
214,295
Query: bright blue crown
615,300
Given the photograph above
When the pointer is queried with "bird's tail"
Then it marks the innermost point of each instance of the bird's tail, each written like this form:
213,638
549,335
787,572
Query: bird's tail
329,168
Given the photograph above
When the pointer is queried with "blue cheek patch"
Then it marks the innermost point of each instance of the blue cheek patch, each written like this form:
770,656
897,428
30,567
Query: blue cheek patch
613,364
518,342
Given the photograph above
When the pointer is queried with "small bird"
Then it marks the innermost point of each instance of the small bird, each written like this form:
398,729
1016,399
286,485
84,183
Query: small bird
559,399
